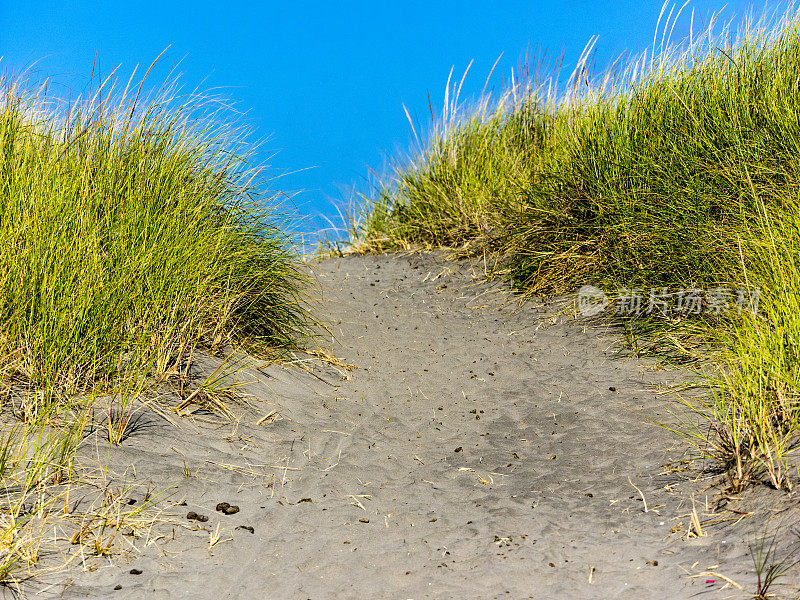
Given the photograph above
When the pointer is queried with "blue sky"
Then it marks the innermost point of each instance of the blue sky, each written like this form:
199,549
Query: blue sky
325,81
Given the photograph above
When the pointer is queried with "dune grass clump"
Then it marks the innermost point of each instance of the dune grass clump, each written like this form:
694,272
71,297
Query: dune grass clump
132,232
129,234
679,171
754,410
644,178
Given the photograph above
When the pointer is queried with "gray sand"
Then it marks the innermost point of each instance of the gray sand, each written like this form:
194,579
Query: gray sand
477,451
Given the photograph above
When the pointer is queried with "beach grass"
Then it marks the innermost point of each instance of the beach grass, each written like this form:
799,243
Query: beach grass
677,170
133,231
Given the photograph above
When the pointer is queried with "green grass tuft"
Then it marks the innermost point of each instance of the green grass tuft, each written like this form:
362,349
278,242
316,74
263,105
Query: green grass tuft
681,170
132,232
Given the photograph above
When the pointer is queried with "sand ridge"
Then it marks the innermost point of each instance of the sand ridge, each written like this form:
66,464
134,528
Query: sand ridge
479,449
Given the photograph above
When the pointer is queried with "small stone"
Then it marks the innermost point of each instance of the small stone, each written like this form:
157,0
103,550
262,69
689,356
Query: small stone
118,587
136,571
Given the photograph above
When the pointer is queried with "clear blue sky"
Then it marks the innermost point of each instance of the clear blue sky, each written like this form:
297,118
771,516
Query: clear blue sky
325,81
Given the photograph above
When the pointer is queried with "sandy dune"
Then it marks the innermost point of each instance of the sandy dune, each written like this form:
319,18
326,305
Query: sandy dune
478,450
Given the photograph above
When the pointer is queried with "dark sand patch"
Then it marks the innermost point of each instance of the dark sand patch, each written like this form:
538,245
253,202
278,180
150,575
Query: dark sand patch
479,450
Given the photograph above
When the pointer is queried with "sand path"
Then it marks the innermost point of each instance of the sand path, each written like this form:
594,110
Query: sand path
478,450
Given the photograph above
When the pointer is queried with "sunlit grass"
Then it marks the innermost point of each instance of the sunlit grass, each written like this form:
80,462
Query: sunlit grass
133,231
679,170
